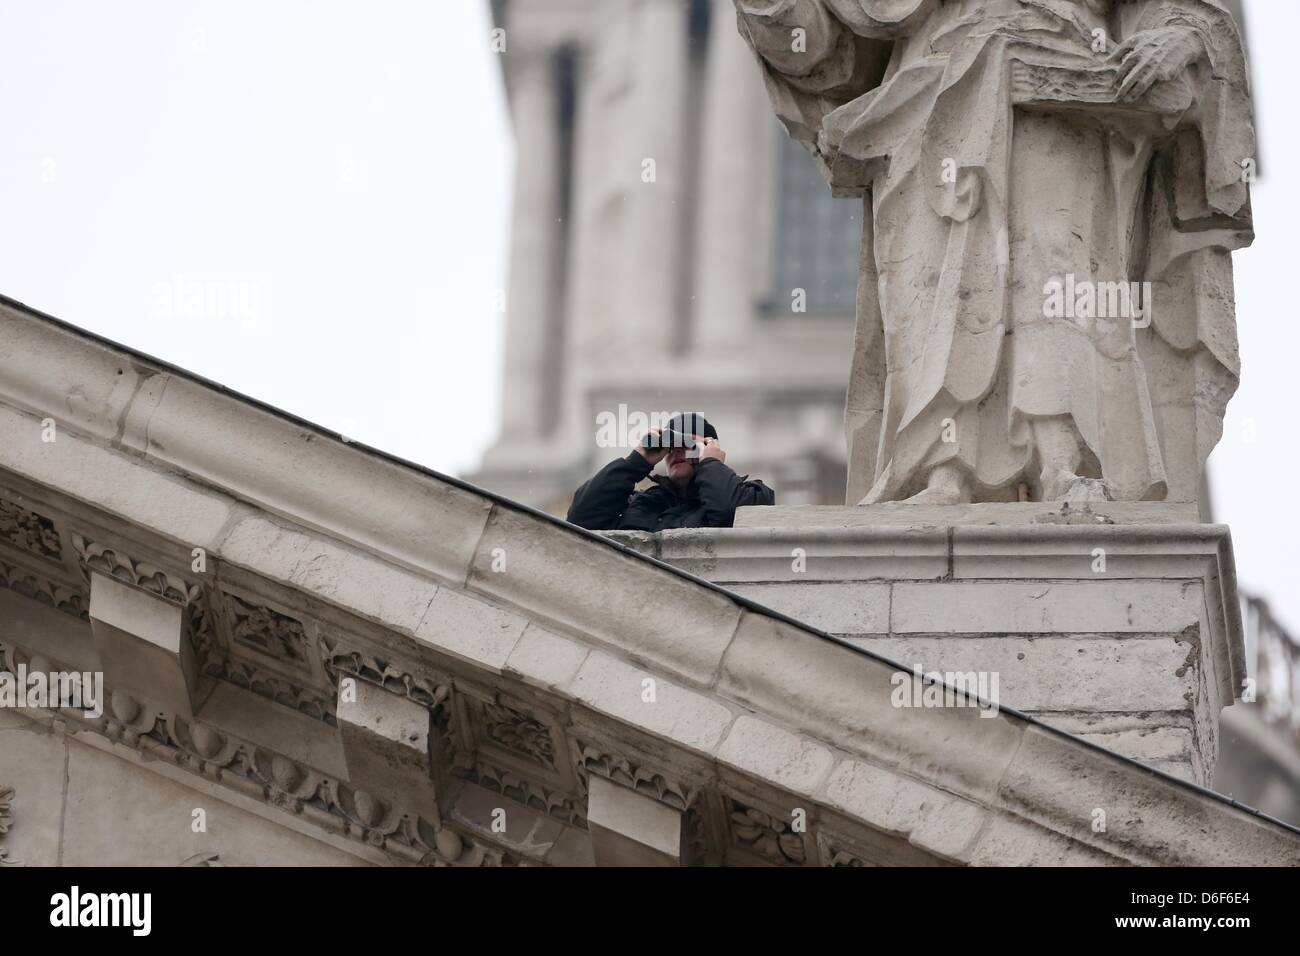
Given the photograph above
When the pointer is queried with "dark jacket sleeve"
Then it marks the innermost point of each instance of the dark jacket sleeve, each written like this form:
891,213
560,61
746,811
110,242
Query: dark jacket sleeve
599,504
722,491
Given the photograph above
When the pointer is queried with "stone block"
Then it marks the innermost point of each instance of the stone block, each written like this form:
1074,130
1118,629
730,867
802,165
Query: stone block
789,761
545,659
629,829
343,576
910,515
928,818
386,747
466,626
1060,672
508,823
288,469
1052,778
659,619
794,554
114,481
837,607
610,686
817,685
141,643
1044,607
119,814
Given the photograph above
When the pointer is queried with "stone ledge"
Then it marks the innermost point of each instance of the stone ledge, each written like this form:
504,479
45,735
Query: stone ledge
903,514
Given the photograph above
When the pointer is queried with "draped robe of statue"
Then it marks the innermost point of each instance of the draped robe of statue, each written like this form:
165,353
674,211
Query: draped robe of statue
987,141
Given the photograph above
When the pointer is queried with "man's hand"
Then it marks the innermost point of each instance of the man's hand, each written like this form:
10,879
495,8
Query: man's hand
1154,56
709,448
652,455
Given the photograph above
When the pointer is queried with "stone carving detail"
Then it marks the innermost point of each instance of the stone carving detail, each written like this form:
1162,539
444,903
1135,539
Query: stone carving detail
203,860
552,802
519,732
47,592
269,632
6,821
29,531
432,692
834,853
287,693
291,787
111,561
506,749
6,808
1120,398
277,780
765,835
592,759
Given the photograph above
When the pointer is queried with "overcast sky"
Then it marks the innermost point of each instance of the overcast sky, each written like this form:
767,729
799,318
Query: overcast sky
333,177
309,202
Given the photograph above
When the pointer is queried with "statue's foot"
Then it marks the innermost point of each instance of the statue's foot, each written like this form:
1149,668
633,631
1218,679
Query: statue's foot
947,486
937,496
1060,485
1085,490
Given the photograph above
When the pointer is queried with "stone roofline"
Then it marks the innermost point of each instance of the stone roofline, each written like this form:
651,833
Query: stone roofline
751,695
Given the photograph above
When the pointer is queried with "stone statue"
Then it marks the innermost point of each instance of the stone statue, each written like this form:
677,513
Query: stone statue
1053,189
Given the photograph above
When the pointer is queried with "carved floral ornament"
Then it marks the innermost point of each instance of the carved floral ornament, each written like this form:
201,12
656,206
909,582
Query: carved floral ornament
110,560
6,820
29,531
6,808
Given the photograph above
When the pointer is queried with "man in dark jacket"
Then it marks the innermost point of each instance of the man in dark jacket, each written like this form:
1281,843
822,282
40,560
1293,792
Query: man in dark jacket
699,491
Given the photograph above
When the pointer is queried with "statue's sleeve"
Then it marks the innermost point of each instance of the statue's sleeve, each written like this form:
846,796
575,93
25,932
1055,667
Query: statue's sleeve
1200,213
808,60
813,62
1223,110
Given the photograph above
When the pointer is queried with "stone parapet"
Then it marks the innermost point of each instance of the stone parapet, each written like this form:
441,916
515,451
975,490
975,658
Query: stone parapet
1119,623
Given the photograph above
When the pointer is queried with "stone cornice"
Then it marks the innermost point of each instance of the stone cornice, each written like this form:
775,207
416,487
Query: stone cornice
771,714
1155,549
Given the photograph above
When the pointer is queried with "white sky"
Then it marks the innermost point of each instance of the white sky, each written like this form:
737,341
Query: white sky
340,172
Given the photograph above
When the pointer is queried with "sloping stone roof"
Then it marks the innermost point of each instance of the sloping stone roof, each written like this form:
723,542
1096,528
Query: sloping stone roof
531,642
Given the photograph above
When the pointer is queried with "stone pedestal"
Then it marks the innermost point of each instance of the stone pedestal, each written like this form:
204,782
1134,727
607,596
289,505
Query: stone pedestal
1119,625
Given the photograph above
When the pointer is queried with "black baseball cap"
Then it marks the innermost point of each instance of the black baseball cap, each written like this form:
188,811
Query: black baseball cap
676,432
691,423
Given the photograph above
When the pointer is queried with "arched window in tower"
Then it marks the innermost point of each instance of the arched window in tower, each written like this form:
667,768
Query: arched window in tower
816,239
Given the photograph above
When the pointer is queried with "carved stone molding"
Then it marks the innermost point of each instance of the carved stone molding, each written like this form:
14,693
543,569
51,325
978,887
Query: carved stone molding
40,588
29,531
276,780
505,745
340,659
6,820
766,835
834,852
277,636
594,758
110,560
203,860
291,694
519,733
563,806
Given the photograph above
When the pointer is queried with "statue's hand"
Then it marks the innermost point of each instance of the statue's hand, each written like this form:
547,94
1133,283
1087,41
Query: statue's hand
1154,56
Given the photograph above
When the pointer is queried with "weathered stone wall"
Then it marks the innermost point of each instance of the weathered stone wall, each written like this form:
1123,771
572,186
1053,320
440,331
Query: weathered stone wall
77,802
